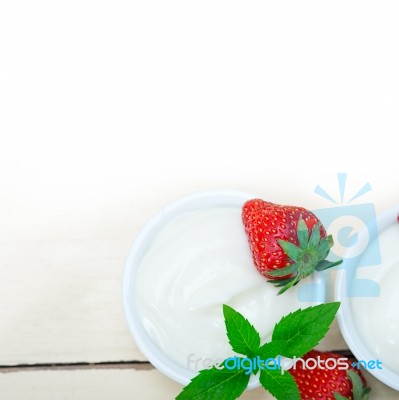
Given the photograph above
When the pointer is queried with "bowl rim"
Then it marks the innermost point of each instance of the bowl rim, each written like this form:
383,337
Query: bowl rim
344,315
144,343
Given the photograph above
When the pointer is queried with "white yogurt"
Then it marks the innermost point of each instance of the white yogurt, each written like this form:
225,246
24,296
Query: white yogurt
377,318
198,261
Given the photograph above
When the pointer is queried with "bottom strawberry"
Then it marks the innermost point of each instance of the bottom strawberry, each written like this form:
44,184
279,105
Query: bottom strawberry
328,376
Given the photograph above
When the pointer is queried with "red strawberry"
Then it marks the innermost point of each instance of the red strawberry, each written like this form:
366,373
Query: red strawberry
287,243
334,378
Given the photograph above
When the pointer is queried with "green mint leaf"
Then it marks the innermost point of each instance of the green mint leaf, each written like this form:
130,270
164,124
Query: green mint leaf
243,337
271,349
282,387
302,330
210,384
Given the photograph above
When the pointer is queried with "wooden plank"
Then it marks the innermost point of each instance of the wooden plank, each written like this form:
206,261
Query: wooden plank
120,384
62,302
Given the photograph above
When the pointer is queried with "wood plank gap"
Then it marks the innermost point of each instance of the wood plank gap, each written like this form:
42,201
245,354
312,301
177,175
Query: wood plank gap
136,365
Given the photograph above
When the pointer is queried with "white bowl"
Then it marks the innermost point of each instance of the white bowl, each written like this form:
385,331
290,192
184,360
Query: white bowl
345,315
143,241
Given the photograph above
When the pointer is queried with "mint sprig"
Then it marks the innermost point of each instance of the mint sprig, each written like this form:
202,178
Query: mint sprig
302,330
293,336
281,386
215,383
243,337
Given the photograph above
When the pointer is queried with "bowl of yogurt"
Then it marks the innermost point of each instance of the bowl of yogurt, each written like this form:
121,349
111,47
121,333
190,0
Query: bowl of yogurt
191,258
369,296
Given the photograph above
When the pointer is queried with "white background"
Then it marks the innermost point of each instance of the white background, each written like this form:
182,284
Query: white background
108,108
111,109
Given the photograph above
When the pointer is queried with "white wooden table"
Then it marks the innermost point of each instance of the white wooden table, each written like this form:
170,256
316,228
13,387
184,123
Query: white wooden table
63,333
110,110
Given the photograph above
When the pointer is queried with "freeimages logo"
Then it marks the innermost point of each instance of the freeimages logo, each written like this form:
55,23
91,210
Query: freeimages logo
355,232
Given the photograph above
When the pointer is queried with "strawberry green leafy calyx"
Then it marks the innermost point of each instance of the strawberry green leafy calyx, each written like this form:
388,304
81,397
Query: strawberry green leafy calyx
360,391
309,256
287,243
